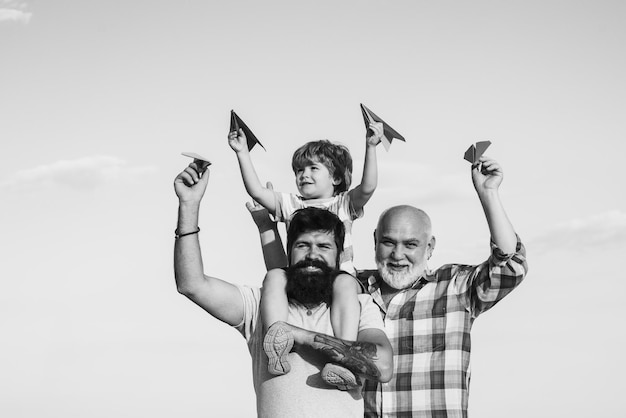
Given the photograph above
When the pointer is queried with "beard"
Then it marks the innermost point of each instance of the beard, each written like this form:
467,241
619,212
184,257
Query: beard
310,282
399,279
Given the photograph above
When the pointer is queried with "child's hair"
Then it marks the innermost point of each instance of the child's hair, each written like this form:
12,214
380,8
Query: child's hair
335,157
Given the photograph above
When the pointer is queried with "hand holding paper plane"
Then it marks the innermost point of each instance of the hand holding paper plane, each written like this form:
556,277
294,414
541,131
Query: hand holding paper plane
474,152
200,161
388,132
236,123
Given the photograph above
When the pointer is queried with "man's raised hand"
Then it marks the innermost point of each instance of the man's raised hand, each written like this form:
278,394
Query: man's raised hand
191,183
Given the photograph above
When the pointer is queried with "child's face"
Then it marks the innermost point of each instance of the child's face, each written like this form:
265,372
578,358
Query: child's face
315,181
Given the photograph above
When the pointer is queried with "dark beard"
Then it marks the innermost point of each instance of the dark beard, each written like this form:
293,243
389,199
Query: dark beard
310,286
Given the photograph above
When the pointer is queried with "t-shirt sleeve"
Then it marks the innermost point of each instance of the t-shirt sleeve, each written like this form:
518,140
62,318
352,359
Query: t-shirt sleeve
370,314
286,205
345,201
251,297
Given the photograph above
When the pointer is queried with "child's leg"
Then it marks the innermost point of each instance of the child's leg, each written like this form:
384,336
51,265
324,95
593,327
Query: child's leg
345,310
274,308
274,304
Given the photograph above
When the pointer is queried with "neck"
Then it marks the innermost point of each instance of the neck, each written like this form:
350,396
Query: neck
387,292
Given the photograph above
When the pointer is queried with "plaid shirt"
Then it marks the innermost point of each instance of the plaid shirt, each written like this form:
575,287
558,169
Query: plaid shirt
429,326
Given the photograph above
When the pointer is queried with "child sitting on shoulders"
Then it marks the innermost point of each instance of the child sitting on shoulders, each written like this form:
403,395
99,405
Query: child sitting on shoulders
323,172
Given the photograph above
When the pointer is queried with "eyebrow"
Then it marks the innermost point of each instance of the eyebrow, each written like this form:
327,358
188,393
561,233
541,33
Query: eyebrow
404,241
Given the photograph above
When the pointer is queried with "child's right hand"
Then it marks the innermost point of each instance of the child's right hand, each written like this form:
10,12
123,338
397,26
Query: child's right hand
374,133
238,141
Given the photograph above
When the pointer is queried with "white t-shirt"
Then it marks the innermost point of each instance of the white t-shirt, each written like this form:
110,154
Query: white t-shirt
301,392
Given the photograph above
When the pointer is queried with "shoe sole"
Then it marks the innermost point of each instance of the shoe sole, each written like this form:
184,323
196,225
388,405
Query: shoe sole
339,376
277,344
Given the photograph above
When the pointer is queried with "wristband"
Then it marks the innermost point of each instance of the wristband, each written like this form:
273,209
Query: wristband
178,235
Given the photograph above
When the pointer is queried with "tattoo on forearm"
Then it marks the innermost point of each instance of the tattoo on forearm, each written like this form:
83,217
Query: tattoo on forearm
357,356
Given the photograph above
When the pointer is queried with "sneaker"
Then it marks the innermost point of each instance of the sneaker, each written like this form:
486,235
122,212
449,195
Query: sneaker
339,376
277,344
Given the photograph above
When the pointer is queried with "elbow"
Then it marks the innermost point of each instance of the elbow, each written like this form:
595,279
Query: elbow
184,288
385,366
386,371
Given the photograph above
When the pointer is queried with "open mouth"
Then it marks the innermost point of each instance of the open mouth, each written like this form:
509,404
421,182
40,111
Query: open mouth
397,267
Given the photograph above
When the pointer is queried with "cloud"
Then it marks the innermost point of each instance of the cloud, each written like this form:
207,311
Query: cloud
14,11
82,173
601,231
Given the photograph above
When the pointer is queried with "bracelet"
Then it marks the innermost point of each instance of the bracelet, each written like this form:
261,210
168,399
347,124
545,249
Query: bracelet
185,234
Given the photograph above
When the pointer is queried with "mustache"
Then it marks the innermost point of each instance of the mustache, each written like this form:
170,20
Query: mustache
307,264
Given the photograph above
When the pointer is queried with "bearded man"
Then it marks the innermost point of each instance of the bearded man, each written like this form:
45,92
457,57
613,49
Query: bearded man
428,314
315,239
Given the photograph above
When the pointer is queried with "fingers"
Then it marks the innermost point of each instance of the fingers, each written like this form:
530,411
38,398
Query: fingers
489,165
190,176
269,185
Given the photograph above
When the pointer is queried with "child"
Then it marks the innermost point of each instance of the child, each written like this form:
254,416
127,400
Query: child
323,175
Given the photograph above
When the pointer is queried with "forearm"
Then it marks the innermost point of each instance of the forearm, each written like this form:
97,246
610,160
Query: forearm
188,268
364,191
371,360
271,243
273,251
249,176
500,228
369,182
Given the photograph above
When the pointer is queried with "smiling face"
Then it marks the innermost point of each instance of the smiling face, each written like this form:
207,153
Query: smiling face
315,181
404,243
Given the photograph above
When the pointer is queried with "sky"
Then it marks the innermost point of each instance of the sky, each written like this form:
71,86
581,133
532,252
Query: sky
99,98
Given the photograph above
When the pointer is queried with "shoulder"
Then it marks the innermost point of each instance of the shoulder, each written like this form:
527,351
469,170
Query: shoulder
363,276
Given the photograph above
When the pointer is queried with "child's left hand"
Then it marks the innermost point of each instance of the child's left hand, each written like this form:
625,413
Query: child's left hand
374,133
237,141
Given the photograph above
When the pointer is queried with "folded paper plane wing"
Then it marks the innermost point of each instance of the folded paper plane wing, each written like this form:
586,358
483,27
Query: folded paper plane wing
236,123
388,132
203,163
474,152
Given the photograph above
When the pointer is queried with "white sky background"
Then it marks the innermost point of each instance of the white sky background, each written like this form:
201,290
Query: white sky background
98,99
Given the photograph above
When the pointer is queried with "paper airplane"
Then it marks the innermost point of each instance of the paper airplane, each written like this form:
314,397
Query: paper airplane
388,132
473,153
236,123
203,162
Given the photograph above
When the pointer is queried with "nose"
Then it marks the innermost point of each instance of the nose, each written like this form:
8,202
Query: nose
312,254
396,253
306,172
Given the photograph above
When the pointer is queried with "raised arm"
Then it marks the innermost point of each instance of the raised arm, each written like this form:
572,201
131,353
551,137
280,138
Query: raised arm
219,298
362,193
487,176
271,243
263,195
371,356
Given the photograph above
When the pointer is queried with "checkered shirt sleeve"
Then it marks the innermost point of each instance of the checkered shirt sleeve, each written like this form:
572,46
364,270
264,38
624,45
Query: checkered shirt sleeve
429,327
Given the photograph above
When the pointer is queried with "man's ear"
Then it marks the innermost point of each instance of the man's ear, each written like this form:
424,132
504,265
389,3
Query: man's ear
375,240
431,246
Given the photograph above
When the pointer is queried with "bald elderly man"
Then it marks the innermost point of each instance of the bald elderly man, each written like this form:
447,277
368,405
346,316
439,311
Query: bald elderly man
428,314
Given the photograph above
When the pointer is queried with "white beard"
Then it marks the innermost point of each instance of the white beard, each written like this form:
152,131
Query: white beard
399,279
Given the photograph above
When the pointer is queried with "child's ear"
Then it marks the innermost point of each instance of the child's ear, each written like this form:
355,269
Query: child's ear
336,181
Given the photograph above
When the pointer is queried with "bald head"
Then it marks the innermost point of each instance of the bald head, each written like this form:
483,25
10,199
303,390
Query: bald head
406,214
404,243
